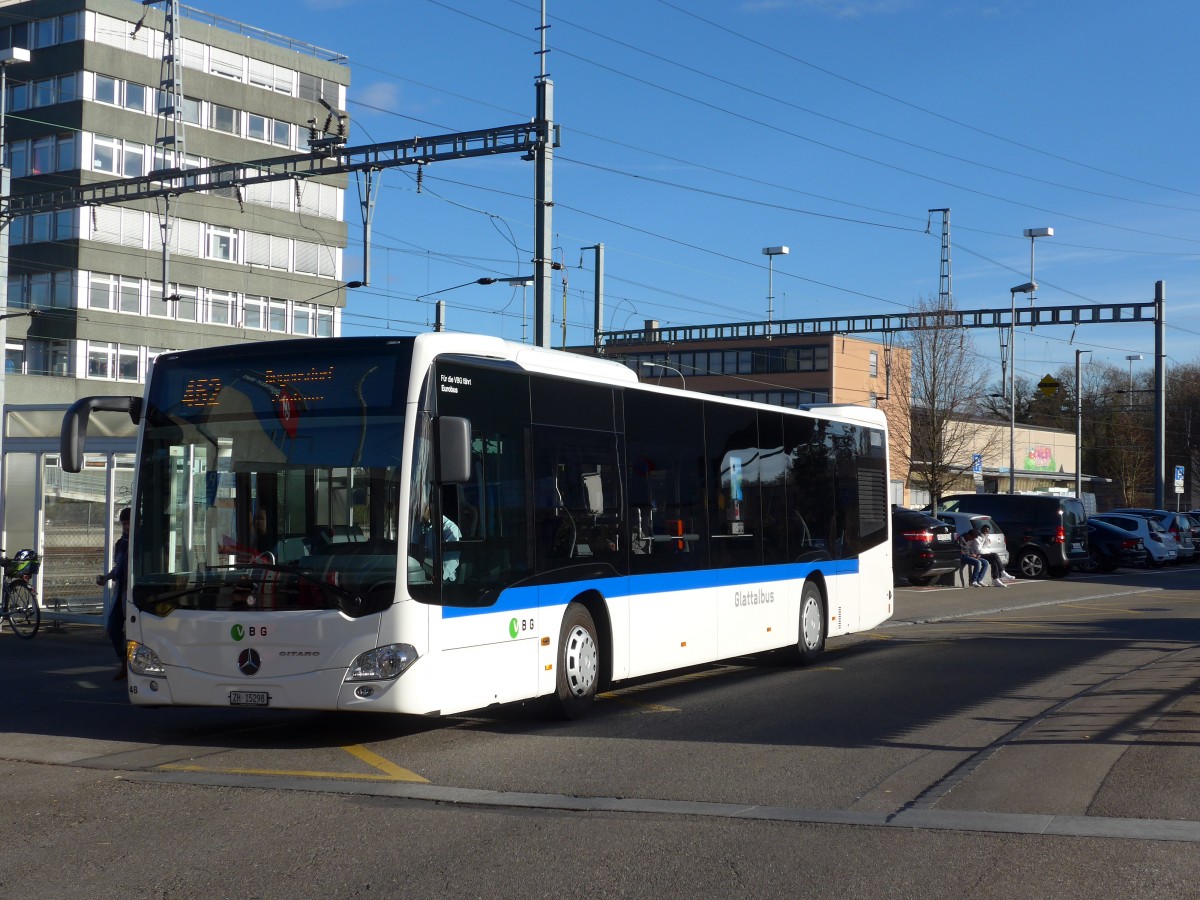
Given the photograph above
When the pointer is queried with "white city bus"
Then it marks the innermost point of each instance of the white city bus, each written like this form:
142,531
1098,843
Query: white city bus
438,524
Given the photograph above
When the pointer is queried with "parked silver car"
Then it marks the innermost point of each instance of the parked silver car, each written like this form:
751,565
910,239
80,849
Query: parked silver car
964,522
1178,524
1163,548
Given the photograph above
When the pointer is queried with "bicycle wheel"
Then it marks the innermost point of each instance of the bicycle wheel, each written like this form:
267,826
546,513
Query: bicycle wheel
23,612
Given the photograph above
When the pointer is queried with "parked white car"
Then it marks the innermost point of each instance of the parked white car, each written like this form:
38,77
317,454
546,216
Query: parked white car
964,522
1161,547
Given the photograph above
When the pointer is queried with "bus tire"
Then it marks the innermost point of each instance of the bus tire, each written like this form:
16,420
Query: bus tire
812,624
578,663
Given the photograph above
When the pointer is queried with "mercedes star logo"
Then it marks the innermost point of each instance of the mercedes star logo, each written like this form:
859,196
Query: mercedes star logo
249,661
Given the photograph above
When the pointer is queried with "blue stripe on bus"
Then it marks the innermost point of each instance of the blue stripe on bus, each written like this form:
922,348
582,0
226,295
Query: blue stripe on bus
521,598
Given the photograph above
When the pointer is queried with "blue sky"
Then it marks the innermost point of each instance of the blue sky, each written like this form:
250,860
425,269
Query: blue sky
697,132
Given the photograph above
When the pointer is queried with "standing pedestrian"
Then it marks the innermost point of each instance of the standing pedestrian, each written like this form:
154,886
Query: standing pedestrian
119,575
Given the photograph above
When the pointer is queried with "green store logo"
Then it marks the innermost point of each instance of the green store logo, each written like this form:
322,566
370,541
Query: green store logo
237,632
514,628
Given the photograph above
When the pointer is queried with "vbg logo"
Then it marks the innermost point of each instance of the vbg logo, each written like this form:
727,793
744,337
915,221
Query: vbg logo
237,632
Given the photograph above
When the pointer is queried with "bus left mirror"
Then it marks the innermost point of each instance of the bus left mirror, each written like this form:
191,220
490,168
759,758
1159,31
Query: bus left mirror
75,422
454,449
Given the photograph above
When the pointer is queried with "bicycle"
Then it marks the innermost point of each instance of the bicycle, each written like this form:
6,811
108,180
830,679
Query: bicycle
18,602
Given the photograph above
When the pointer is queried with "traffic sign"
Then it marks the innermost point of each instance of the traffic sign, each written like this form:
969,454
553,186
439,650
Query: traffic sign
1179,479
1048,386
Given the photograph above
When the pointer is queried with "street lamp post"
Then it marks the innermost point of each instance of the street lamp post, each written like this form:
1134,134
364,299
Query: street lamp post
1131,359
770,253
1027,288
658,365
1078,428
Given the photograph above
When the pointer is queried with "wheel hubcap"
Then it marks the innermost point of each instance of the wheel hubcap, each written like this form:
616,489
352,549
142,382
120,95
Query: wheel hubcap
582,661
810,623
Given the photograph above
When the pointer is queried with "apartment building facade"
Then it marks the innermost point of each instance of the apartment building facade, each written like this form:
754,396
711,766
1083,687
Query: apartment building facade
259,263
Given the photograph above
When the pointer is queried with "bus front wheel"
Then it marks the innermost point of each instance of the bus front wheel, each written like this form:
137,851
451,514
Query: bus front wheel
578,662
812,624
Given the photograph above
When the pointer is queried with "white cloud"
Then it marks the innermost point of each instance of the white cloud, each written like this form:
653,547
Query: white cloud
842,9
380,95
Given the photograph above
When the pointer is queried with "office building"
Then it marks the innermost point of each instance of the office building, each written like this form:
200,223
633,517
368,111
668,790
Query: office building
259,263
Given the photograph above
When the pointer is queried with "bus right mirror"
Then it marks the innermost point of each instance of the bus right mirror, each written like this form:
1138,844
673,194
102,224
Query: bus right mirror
75,422
454,449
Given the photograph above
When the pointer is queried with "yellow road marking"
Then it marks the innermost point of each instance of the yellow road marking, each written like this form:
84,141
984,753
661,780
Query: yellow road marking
391,771
298,773
384,765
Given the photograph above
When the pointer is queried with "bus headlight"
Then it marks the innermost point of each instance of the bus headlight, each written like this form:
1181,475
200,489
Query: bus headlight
144,661
382,663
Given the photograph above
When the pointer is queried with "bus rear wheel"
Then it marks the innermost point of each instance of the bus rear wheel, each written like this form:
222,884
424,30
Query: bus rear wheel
812,624
578,663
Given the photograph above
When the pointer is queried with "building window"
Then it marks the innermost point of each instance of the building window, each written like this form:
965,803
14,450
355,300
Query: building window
18,97
225,118
102,291
156,305
226,63
220,307
256,127
42,161
278,316
106,89
18,158
46,357
45,33
185,306
281,134
14,357
105,151
135,96
101,359
62,290
324,323
65,152
133,160
874,364
127,362
302,319
253,313
130,293
222,243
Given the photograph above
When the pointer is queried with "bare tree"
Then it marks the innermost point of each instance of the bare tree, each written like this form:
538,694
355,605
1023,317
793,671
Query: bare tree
947,383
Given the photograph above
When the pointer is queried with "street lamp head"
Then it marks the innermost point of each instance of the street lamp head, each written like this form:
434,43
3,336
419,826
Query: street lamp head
13,55
1027,288
1039,232
776,251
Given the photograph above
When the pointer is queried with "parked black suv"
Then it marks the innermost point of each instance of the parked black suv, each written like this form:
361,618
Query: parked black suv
1045,533
923,547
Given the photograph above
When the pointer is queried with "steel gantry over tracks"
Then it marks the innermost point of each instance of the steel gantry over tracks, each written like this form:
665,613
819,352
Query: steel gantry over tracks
524,138
1100,313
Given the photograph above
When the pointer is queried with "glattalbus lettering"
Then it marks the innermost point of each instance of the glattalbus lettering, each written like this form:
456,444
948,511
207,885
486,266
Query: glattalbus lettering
752,597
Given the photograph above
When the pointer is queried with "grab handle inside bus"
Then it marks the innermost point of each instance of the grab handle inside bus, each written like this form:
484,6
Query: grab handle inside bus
454,449
75,422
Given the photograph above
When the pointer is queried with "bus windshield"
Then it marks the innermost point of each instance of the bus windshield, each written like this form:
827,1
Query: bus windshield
269,478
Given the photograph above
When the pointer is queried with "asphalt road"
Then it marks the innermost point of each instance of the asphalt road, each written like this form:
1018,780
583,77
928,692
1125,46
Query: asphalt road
1039,740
